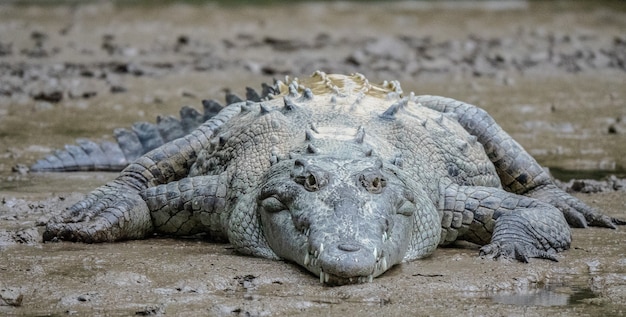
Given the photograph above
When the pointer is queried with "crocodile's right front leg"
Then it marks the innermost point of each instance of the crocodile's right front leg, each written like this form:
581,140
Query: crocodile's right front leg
189,206
110,213
116,211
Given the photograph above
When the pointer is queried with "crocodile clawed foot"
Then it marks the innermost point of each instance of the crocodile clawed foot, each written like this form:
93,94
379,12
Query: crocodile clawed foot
577,213
515,250
599,220
88,232
110,213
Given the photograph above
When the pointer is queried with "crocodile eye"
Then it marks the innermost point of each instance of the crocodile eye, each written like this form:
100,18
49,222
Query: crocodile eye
272,205
311,181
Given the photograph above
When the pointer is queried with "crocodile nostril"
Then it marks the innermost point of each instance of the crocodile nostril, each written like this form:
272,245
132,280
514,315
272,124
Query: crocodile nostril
349,247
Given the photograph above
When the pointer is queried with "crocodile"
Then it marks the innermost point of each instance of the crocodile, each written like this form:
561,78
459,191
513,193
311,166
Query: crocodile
341,176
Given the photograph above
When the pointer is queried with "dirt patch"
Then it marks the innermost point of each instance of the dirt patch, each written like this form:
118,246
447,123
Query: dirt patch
551,75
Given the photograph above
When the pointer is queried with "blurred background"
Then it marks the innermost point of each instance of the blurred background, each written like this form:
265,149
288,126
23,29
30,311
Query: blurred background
552,73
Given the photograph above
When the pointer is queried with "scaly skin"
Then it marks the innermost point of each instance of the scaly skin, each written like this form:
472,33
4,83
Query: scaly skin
341,177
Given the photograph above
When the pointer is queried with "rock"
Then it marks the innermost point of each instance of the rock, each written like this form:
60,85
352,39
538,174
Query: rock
50,96
20,169
10,296
116,89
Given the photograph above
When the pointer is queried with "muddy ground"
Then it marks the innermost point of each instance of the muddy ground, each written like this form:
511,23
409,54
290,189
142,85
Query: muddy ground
553,75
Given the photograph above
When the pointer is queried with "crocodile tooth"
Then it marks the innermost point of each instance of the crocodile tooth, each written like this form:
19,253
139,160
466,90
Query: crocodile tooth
384,263
307,259
370,278
376,263
321,276
321,248
326,278
375,252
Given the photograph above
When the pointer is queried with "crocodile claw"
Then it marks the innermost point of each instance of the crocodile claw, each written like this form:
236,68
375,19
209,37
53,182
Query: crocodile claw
577,213
515,250
109,213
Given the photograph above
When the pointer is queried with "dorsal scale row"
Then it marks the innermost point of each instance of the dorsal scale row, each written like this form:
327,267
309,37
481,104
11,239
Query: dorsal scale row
350,94
350,90
321,83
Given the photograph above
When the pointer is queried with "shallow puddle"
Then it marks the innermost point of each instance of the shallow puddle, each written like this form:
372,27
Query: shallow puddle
548,295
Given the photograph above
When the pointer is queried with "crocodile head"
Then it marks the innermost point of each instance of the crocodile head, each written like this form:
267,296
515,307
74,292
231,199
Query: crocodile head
345,220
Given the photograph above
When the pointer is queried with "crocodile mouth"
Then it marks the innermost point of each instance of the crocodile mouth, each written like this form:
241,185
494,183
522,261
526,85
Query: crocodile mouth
327,265
332,280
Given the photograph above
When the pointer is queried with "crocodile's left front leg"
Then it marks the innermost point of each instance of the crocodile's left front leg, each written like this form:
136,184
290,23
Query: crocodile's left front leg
508,225
518,171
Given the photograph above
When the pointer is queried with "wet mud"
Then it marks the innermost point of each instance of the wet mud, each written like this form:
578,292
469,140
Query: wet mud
551,74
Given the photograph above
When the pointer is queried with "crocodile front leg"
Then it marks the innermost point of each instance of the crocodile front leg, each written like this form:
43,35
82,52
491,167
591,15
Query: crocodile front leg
508,225
116,211
109,213
519,172
189,206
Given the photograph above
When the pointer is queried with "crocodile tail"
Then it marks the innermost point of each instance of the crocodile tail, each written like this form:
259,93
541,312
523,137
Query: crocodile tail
141,138
129,144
